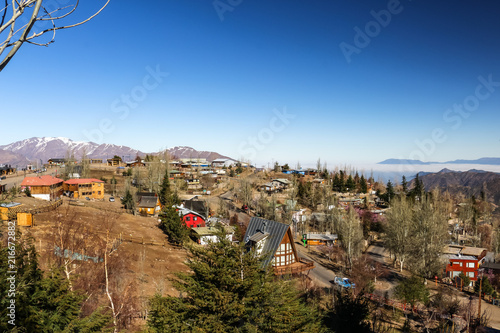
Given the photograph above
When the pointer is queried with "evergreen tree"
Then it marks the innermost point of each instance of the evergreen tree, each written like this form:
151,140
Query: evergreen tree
27,191
418,188
412,290
228,291
363,186
350,184
165,190
404,184
348,313
389,194
172,225
128,201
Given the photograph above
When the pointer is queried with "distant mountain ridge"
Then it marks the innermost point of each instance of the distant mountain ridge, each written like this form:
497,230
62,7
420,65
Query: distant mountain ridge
483,161
471,182
35,149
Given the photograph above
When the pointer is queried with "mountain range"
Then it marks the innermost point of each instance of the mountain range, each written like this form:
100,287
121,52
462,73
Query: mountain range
483,161
35,149
471,182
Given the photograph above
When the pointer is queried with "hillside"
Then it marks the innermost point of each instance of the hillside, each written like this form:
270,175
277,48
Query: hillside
470,182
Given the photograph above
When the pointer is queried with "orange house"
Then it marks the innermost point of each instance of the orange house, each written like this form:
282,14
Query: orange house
85,187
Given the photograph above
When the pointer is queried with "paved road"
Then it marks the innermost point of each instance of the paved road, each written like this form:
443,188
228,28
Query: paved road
320,275
16,180
378,253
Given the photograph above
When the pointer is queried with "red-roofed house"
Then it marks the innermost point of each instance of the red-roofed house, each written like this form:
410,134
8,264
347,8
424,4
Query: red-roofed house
84,187
44,187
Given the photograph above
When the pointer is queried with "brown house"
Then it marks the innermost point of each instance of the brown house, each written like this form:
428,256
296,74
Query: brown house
85,187
149,204
44,187
274,240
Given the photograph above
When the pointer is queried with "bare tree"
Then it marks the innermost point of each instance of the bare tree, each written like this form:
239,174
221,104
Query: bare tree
350,232
85,164
399,226
27,21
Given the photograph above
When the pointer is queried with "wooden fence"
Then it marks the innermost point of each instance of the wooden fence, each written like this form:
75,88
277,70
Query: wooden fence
12,212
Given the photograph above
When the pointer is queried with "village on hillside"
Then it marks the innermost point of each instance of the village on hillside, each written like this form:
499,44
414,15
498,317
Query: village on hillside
414,257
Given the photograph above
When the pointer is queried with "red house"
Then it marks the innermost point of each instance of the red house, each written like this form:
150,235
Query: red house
464,259
191,218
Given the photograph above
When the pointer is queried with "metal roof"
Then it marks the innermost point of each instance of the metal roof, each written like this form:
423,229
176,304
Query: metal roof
276,233
461,257
258,236
10,204
83,181
326,237
205,231
473,251
148,202
41,181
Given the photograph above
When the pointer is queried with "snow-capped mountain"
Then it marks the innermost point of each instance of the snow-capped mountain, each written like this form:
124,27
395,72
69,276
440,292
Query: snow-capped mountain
35,149
49,147
188,152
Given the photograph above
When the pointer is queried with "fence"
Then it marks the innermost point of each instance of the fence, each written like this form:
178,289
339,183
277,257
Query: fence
12,212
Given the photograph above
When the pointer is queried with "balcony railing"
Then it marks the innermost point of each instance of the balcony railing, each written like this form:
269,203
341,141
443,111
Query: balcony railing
295,268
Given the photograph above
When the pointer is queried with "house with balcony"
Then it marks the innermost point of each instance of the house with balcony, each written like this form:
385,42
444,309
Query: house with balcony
84,187
274,241
44,187
464,259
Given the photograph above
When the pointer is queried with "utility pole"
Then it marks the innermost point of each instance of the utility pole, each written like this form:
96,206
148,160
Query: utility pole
479,305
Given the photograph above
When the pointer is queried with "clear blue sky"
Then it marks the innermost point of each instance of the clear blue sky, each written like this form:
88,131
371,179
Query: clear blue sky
228,78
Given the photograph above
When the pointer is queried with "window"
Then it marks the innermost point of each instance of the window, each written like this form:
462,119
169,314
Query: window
188,218
470,265
470,274
195,218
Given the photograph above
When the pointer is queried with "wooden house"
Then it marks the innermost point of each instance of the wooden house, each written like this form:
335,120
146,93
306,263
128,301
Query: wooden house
149,204
6,170
44,187
274,241
191,218
464,259
56,161
84,187
115,161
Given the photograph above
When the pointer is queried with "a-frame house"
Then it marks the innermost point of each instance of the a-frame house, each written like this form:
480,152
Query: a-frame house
274,240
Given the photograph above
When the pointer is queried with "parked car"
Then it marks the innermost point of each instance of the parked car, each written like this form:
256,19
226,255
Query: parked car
111,199
344,282
87,198
3,177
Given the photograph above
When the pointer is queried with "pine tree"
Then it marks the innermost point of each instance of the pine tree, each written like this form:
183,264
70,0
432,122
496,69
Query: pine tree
404,184
350,184
389,194
128,201
363,186
228,291
172,225
165,191
348,313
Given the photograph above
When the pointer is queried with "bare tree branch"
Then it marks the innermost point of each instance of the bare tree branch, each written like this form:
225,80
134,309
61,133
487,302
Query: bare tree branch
39,13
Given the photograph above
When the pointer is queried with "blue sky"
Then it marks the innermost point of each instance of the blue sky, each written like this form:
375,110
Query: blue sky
269,80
